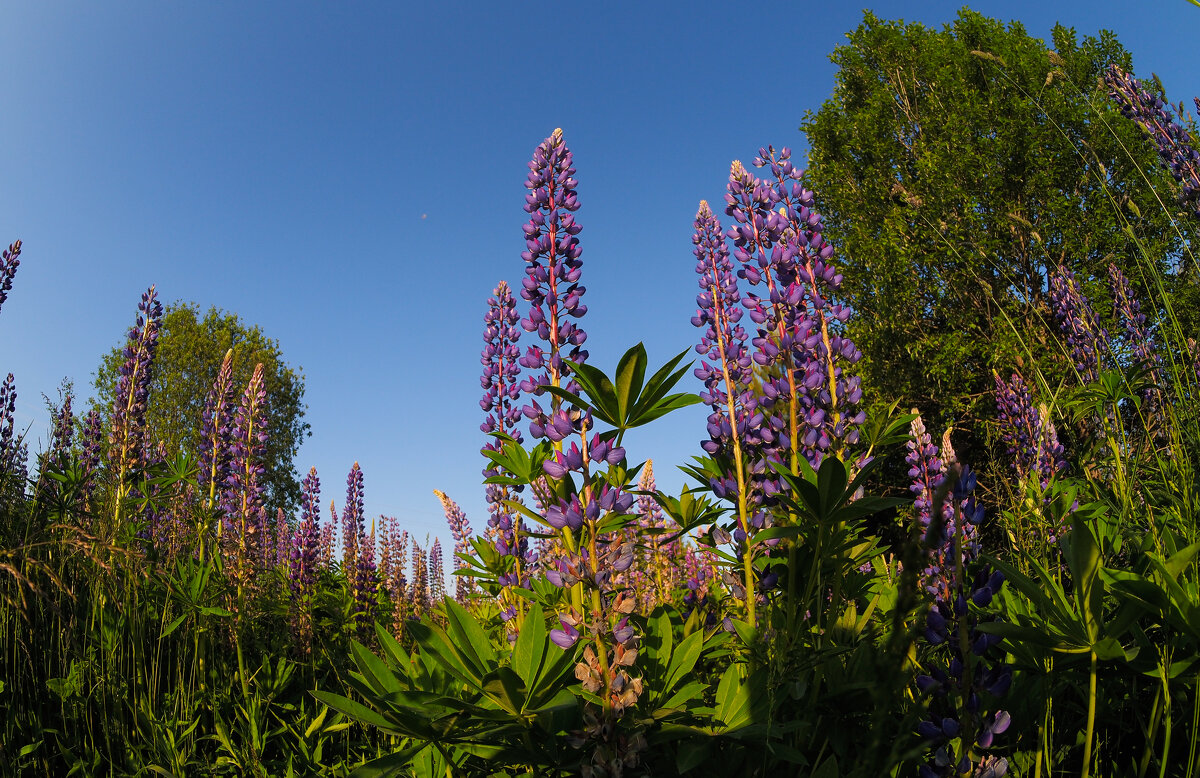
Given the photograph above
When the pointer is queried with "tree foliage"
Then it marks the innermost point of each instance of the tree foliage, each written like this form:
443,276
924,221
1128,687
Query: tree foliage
954,167
190,351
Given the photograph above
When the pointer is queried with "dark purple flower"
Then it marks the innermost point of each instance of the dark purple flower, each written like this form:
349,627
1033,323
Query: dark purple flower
8,409
1079,322
306,542
9,262
1156,117
127,434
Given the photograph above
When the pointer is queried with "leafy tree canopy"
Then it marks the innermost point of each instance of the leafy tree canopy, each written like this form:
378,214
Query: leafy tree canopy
954,167
190,350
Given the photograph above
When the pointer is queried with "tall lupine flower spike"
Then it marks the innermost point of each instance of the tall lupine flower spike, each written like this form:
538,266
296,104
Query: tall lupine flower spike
1155,115
736,425
437,573
306,557
366,582
959,727
779,240
501,369
1079,322
353,527
242,503
307,540
460,530
419,590
216,431
9,262
551,282
128,424
8,410
1133,322
93,447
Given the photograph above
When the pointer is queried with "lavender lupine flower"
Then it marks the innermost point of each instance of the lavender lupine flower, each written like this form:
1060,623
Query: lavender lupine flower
501,370
353,528
1133,323
8,410
366,582
812,399
460,530
437,573
551,284
962,668
419,600
307,540
927,473
656,573
242,502
398,587
1078,321
128,423
1155,116
93,447
216,432
1027,431
386,552
9,262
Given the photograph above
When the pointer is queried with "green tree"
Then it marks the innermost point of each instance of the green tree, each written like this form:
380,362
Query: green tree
954,167
190,350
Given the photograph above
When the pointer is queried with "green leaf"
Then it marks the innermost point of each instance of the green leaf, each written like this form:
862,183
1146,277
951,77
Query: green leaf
530,647
631,370
733,699
174,625
683,660
354,710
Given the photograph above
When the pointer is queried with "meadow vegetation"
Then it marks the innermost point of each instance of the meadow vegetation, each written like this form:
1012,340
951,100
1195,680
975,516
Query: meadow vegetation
838,592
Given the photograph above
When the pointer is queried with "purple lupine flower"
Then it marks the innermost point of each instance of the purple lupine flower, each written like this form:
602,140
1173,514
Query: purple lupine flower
727,379
352,520
1027,431
957,678
93,447
812,405
500,364
8,410
242,505
9,262
419,595
927,473
128,423
1176,147
366,582
307,540
1133,325
386,552
553,267
460,530
437,573
1079,322
216,432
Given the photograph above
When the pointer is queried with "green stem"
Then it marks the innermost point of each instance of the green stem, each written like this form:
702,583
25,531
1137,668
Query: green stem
1091,719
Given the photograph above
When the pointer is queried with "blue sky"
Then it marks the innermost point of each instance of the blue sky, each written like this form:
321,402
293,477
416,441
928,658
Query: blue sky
349,176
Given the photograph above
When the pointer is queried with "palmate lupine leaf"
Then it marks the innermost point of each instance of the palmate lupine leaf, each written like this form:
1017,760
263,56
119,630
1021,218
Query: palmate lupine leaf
624,402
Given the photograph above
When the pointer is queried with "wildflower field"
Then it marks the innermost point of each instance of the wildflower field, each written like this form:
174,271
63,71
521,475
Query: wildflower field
838,591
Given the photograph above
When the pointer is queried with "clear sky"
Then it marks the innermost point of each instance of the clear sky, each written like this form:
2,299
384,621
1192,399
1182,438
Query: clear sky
349,176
